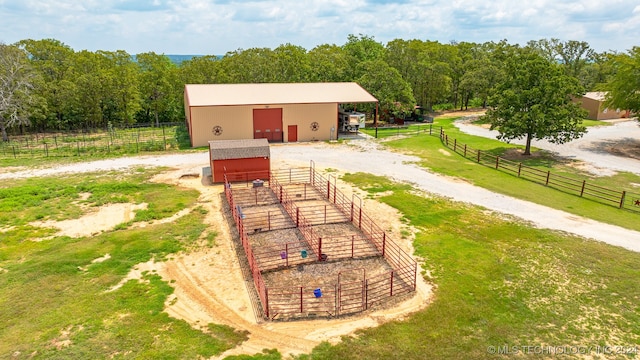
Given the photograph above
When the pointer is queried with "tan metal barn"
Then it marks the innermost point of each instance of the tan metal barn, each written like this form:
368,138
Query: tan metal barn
593,103
276,112
245,160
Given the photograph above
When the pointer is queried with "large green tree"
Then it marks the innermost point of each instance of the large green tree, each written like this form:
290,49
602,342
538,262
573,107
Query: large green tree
201,70
157,85
328,63
624,87
534,101
90,79
16,88
52,59
122,77
360,49
385,83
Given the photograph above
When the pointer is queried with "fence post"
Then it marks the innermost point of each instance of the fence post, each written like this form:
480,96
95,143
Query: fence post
548,175
384,242
14,151
335,303
497,162
366,294
286,252
351,216
519,168
319,249
465,150
391,287
266,299
353,239
478,156
269,220
325,214
164,138
455,145
328,189
584,182
624,194
297,217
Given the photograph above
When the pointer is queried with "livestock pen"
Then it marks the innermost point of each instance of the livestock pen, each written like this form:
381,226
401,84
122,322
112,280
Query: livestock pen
311,250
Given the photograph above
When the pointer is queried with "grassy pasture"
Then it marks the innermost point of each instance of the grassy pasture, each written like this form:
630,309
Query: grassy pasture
32,149
441,160
497,282
55,301
500,283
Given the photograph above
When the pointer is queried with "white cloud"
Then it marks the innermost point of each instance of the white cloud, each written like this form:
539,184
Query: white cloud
218,26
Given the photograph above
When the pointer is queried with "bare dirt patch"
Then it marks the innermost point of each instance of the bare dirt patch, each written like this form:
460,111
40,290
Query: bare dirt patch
102,219
210,287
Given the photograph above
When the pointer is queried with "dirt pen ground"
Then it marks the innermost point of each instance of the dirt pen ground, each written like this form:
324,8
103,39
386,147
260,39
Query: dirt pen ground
210,286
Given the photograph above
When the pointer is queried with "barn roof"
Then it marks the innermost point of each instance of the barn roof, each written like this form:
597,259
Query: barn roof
239,149
596,95
276,93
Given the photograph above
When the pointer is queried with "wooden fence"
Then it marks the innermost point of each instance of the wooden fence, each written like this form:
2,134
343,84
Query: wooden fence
622,199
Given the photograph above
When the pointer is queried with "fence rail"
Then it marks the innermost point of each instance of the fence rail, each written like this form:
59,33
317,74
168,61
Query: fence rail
347,294
622,199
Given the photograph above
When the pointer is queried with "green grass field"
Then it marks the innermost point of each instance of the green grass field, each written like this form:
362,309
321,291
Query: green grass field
55,301
440,159
498,283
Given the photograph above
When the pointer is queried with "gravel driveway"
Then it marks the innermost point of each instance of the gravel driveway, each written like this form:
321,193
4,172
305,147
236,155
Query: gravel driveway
589,148
369,156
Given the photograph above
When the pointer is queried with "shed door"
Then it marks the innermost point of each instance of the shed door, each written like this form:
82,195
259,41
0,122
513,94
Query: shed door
267,124
292,133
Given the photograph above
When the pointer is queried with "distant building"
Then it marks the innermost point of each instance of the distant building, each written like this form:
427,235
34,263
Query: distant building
276,112
593,102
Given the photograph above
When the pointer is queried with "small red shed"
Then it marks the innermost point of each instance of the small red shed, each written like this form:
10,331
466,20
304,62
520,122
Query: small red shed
241,160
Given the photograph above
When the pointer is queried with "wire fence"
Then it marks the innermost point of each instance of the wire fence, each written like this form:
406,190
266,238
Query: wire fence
141,138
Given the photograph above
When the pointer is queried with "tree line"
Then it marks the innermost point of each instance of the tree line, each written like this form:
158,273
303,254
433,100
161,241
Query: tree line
46,85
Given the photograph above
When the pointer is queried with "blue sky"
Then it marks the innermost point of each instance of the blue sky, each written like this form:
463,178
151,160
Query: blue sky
218,26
